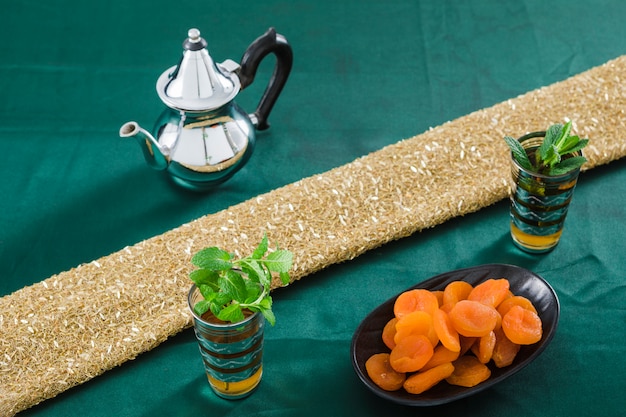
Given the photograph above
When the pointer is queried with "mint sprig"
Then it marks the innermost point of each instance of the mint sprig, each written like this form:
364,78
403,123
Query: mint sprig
230,285
555,154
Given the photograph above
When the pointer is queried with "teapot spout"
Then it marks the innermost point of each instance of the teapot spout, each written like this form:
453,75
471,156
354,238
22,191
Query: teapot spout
152,151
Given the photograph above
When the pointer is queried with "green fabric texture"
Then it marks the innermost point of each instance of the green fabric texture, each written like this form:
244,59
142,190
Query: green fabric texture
366,74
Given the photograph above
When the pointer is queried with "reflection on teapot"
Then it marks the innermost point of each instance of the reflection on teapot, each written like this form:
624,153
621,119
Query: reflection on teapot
204,137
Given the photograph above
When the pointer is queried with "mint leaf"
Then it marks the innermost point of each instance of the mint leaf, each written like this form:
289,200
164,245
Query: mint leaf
551,156
553,134
207,291
231,313
266,302
568,143
575,147
261,248
568,165
233,285
269,316
201,307
212,258
285,278
279,261
253,291
519,154
204,276
266,310
564,135
254,270
220,300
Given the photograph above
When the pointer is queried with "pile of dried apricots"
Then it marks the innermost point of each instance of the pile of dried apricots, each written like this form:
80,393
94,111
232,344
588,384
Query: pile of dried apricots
452,335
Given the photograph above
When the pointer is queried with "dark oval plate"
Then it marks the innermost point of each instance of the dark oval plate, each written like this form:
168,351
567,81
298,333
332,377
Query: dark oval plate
367,339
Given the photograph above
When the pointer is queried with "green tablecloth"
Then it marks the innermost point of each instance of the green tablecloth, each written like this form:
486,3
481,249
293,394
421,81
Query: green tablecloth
366,74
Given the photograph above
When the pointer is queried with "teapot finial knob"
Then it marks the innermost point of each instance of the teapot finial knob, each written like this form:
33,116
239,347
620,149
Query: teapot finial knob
194,35
194,41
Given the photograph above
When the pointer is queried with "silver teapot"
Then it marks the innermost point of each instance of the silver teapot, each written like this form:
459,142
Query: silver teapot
203,137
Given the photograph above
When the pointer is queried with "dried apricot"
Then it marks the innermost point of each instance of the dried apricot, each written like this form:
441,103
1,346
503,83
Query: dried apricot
490,292
447,334
416,323
456,291
516,300
382,374
483,349
411,353
468,372
522,326
504,351
415,300
466,343
439,295
424,380
472,318
440,356
389,332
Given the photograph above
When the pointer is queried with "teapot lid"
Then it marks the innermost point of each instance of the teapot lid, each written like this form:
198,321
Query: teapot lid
197,83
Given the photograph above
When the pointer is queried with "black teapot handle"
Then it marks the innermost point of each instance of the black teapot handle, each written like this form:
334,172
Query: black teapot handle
269,42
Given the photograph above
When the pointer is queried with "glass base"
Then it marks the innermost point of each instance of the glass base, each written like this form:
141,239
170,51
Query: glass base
534,243
236,390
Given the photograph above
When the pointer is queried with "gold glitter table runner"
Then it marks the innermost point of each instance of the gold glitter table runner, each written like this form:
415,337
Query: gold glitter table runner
77,324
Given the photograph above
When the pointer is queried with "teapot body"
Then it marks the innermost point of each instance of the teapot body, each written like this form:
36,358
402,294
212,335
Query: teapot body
205,148
202,138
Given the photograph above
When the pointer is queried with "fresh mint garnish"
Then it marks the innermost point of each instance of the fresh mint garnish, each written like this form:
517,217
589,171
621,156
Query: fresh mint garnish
230,285
555,156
